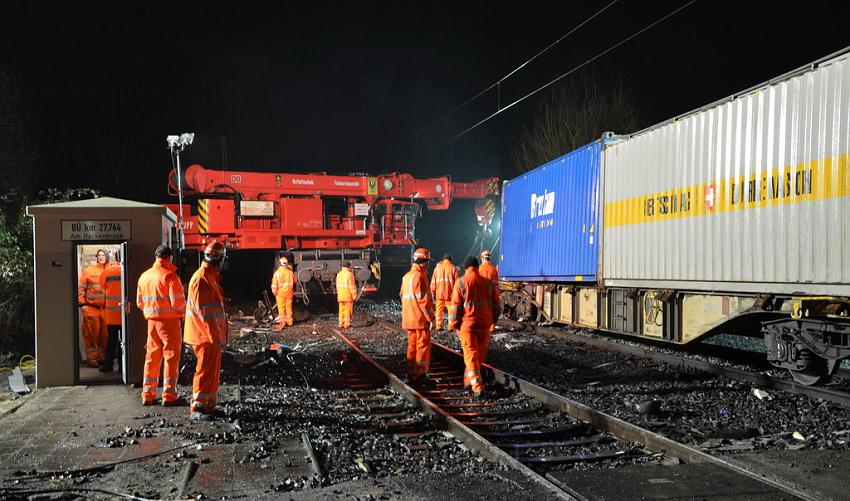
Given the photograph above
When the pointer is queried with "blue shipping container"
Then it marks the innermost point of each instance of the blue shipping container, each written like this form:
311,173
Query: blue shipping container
550,228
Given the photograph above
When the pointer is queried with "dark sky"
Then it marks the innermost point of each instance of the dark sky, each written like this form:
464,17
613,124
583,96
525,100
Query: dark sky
350,86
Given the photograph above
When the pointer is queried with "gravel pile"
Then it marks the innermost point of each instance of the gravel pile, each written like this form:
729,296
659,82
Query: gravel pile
717,414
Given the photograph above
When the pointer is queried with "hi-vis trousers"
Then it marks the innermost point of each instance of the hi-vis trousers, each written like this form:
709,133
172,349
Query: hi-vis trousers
165,338
475,345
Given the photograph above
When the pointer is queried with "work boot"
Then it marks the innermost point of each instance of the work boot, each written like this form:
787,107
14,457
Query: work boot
178,402
201,416
148,402
424,382
480,395
106,368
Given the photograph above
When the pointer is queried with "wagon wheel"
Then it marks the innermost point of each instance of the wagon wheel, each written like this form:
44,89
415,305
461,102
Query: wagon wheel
817,370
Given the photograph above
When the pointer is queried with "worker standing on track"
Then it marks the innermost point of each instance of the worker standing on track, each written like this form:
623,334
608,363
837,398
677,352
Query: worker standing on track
473,311
417,317
490,272
442,284
91,301
206,330
346,294
283,288
161,298
110,281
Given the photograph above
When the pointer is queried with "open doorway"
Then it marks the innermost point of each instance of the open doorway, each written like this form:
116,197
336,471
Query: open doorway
101,295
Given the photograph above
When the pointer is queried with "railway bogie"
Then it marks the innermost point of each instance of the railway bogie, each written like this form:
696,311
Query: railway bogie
810,347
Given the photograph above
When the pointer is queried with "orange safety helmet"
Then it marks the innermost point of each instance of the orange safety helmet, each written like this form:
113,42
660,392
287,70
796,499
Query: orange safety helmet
283,260
422,253
215,251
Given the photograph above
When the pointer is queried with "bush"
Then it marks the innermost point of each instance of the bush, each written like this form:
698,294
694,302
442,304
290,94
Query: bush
17,312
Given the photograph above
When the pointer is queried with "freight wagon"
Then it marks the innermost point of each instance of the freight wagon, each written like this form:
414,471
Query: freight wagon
734,218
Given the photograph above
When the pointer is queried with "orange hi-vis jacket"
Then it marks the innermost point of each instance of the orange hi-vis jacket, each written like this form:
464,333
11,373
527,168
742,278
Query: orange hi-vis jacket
417,305
443,280
488,271
283,282
346,286
205,319
475,302
89,290
160,294
110,281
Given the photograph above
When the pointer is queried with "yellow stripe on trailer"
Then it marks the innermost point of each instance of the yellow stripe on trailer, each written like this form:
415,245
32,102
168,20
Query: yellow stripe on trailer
805,182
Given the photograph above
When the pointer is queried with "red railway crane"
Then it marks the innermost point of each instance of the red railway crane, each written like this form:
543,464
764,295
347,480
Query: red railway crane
320,218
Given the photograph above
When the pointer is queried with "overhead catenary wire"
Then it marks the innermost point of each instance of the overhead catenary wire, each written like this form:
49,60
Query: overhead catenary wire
525,63
571,71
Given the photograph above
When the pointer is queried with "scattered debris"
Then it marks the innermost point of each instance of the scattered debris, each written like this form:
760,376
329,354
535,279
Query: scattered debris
761,394
16,382
649,407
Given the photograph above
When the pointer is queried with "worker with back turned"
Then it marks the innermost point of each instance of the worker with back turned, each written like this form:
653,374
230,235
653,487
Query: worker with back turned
110,281
442,283
472,313
161,298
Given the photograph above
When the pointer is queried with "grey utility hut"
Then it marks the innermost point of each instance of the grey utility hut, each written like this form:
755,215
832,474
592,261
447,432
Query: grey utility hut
60,230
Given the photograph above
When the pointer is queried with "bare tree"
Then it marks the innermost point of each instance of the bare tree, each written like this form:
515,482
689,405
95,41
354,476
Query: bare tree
17,143
574,114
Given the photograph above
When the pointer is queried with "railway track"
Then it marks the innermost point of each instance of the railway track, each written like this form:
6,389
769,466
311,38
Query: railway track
684,361
533,430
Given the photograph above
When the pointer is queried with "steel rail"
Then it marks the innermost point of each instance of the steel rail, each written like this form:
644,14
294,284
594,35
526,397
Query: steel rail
465,434
682,361
624,430
621,429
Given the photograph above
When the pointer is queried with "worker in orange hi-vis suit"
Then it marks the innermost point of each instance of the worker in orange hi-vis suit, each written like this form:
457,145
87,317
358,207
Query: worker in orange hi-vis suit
91,301
474,309
442,283
110,281
346,294
283,288
161,298
417,317
490,272
206,330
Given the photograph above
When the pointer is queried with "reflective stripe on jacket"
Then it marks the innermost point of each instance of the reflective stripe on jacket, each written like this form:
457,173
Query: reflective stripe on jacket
89,290
346,287
417,305
283,282
205,318
443,280
159,293
110,281
475,302
488,271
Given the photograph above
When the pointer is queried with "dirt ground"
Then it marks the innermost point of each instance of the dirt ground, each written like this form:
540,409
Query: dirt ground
93,440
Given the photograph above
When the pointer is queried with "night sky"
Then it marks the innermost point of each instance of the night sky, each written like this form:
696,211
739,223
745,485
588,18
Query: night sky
355,86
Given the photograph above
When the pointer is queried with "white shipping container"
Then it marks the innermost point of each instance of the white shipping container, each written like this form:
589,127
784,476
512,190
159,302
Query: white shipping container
747,195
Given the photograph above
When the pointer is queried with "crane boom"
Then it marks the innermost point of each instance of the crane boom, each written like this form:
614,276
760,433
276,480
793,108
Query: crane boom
320,218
